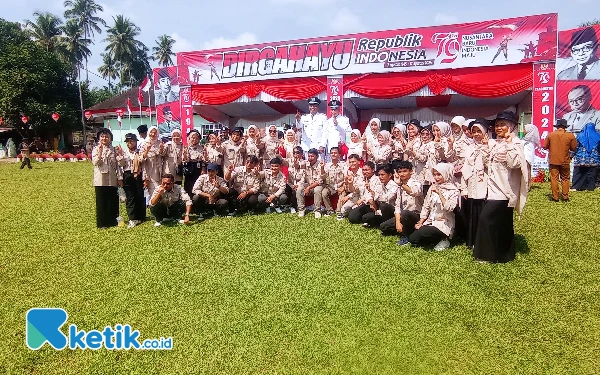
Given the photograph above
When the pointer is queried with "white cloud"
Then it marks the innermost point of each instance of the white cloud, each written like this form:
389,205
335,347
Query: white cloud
444,19
181,44
346,22
241,40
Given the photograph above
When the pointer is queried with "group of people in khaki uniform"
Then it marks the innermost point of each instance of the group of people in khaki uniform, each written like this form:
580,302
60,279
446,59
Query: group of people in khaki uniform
427,184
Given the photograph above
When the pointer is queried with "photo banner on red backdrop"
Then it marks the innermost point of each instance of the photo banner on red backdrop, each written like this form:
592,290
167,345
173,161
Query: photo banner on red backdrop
578,78
166,96
542,109
477,44
335,91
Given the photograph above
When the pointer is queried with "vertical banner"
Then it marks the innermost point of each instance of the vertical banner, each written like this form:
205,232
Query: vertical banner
335,91
166,96
187,112
543,107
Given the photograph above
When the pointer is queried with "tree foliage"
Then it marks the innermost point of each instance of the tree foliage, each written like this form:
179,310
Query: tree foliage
164,50
35,83
595,21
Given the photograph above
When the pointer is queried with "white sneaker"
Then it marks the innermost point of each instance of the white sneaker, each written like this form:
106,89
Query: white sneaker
301,213
278,210
442,245
317,214
340,217
157,224
131,224
181,221
292,210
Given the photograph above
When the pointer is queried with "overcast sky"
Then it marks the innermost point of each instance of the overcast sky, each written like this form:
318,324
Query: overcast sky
207,24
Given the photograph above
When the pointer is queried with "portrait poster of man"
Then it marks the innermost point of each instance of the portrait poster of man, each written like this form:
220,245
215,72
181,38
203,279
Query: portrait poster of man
578,78
167,121
167,85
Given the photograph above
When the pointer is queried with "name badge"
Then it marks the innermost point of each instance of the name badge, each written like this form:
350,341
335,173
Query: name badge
199,165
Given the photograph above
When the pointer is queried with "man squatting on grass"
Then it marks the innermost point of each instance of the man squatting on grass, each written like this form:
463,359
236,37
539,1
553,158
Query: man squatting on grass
440,183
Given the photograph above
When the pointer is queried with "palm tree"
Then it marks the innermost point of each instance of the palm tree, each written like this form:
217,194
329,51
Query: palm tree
110,68
124,46
45,29
593,22
164,51
83,12
74,46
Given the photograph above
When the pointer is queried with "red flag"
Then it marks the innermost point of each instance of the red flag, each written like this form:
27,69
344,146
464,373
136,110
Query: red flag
146,84
140,96
129,106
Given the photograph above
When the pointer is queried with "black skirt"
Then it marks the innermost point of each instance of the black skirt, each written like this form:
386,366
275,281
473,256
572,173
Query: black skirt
473,208
495,238
107,206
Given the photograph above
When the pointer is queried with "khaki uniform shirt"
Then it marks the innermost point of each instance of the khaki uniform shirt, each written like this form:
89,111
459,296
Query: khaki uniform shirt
335,175
106,169
409,202
204,185
273,184
243,180
234,154
170,197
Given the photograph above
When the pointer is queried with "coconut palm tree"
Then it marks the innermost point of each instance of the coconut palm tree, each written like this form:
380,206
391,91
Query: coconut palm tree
163,52
74,46
83,12
110,69
45,29
125,48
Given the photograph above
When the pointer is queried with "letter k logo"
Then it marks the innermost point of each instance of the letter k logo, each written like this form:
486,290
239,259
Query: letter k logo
43,325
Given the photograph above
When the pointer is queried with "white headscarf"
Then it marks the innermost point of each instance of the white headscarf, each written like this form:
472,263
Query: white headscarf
268,135
386,137
445,129
402,128
357,132
369,135
532,134
293,134
447,171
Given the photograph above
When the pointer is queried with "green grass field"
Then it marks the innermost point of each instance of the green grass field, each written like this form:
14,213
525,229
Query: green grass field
278,294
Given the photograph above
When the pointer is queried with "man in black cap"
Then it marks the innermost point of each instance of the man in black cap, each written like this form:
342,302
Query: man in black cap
311,125
143,132
336,127
165,129
166,93
584,45
130,160
559,143
582,111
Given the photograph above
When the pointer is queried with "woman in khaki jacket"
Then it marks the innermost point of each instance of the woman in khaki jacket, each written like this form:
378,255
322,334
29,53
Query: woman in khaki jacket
107,176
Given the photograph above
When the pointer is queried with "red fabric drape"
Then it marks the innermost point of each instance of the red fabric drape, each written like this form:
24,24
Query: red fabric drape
287,89
481,82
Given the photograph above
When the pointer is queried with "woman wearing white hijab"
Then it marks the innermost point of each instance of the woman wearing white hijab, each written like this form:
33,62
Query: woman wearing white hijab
173,156
507,190
152,160
254,146
398,142
356,146
436,222
371,132
531,141
271,146
381,153
475,178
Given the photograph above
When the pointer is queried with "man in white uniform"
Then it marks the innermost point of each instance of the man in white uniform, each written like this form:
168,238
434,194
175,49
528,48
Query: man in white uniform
336,127
582,112
311,125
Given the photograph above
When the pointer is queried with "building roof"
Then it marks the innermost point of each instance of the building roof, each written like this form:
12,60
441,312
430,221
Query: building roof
109,107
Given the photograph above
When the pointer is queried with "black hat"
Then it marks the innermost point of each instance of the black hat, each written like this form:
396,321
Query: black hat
238,129
166,109
583,36
508,116
142,129
131,136
105,131
428,127
163,73
561,123
485,124
314,101
212,167
334,104
193,131
415,122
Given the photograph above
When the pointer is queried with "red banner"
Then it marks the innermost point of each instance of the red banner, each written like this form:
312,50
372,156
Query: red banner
187,112
543,98
578,78
477,44
335,91
166,96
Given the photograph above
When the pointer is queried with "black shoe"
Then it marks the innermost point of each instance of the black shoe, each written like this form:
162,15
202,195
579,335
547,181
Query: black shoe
552,199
